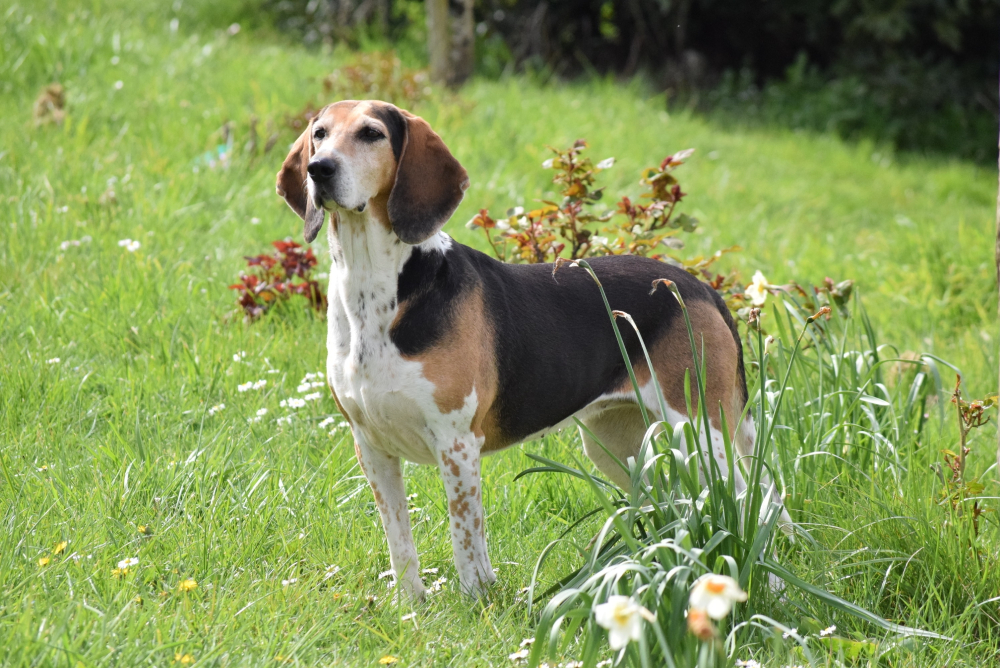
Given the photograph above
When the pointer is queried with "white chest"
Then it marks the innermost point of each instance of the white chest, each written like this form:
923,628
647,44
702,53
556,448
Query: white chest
386,396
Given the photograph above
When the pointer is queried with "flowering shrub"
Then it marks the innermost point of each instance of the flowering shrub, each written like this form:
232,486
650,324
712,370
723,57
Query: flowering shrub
276,278
649,227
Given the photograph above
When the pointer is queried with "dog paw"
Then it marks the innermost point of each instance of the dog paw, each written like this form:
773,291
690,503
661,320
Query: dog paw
413,590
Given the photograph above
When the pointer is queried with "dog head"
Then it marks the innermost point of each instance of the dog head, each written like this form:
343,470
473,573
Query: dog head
353,154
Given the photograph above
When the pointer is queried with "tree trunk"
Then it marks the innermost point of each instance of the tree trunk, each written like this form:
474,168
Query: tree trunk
451,40
438,33
463,41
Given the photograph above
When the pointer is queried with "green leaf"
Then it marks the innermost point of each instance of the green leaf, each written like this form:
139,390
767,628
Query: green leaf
847,607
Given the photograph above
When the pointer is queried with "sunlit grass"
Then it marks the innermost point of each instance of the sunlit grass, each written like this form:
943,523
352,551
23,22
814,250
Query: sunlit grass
119,433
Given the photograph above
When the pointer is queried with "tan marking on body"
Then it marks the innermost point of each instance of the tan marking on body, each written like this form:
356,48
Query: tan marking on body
671,356
464,361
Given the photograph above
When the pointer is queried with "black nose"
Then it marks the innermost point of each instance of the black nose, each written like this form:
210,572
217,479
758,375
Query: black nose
322,169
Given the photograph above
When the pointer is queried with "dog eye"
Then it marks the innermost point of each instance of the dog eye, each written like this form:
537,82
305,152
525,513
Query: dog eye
319,134
371,133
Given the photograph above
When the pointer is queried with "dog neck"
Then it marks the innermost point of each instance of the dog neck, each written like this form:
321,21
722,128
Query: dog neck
367,258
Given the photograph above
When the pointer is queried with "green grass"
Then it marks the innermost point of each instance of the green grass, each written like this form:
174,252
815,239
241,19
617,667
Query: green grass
120,424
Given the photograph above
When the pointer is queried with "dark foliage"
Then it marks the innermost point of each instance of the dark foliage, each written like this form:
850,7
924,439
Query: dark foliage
917,74
920,74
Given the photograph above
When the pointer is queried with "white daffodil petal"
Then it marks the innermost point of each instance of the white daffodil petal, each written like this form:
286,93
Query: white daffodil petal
718,608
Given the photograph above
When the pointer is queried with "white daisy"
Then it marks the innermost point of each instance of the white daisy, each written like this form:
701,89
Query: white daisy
519,655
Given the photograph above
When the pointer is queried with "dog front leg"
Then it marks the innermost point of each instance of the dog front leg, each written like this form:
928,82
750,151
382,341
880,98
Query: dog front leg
459,465
385,476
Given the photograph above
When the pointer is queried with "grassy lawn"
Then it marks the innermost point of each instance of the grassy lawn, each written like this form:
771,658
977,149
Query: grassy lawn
113,358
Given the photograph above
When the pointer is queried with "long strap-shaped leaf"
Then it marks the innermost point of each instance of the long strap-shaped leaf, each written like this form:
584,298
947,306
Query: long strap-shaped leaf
842,605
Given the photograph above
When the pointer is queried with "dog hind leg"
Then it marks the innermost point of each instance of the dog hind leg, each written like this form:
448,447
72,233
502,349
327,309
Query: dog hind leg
620,430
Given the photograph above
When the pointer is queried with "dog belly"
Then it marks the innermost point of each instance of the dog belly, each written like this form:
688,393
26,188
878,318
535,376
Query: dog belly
598,405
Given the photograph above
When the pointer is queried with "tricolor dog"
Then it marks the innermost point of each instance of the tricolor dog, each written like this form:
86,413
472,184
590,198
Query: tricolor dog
439,354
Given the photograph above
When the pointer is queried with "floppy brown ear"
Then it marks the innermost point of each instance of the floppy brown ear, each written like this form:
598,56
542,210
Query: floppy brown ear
292,184
430,184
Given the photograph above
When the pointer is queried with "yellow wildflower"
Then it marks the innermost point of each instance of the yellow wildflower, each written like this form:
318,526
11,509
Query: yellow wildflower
188,585
387,659
183,659
60,547
43,561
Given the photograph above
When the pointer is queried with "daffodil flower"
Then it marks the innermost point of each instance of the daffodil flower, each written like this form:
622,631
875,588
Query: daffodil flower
622,617
756,292
699,624
715,594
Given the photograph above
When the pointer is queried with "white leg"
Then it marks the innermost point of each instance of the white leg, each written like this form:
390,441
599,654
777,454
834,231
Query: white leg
385,476
459,465
746,435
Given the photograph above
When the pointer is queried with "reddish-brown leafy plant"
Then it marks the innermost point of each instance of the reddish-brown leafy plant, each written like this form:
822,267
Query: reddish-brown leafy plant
956,489
572,230
275,278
